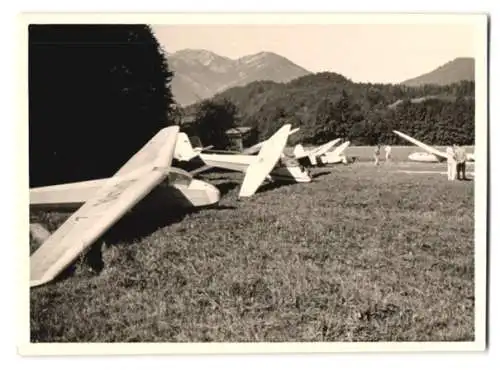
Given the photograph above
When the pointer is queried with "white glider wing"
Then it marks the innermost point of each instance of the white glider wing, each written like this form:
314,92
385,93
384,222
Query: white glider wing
64,196
268,156
425,147
340,149
119,194
312,155
255,148
322,149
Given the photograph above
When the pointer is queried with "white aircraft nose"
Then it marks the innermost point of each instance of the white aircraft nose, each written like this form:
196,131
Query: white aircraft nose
414,157
423,157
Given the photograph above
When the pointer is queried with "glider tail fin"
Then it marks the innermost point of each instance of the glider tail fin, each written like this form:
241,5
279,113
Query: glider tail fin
299,151
300,154
184,150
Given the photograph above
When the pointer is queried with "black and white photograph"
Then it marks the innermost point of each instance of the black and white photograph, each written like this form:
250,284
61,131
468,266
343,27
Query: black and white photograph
291,183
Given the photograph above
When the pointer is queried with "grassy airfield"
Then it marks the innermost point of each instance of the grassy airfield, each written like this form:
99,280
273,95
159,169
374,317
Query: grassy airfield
399,153
362,253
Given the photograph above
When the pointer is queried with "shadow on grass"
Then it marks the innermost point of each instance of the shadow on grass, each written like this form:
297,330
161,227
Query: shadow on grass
141,223
273,185
320,174
134,225
226,187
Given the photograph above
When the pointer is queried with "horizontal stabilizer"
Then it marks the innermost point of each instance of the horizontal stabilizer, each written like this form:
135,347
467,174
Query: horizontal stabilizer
63,196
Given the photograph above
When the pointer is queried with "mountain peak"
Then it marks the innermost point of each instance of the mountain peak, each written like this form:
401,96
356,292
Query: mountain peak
458,69
193,52
202,56
200,74
263,56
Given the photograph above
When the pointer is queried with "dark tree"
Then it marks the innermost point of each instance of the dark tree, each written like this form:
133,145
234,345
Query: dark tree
325,125
212,121
97,94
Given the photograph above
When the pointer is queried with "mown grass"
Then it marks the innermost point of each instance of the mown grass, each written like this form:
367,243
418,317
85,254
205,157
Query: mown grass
360,254
398,153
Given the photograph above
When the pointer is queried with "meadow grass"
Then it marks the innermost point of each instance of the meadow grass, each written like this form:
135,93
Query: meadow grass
362,253
399,153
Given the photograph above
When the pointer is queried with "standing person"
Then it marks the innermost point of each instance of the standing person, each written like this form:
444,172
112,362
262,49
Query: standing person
461,158
452,164
387,153
376,154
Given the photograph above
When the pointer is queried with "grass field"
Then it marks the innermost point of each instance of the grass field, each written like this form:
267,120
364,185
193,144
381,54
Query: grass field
398,153
362,253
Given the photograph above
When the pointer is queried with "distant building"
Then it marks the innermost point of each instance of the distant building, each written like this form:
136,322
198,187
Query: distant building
237,137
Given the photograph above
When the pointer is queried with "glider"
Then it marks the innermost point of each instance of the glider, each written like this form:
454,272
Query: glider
286,169
431,154
304,157
336,155
269,163
311,157
99,204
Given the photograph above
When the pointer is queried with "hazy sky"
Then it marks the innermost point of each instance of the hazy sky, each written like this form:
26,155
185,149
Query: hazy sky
375,53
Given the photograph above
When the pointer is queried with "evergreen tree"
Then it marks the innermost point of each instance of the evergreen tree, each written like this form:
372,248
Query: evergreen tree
213,119
97,94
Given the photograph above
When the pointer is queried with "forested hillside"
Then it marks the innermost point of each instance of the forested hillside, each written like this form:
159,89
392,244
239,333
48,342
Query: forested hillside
327,105
459,69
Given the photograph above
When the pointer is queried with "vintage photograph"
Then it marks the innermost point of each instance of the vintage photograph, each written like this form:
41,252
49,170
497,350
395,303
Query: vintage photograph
257,179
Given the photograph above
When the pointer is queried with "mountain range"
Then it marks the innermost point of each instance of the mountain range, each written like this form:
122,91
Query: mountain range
202,74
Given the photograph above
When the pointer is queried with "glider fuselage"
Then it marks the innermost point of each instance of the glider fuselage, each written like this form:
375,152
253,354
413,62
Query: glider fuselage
431,158
291,171
425,157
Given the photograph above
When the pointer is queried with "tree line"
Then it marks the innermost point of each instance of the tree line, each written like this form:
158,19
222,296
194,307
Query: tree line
327,106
